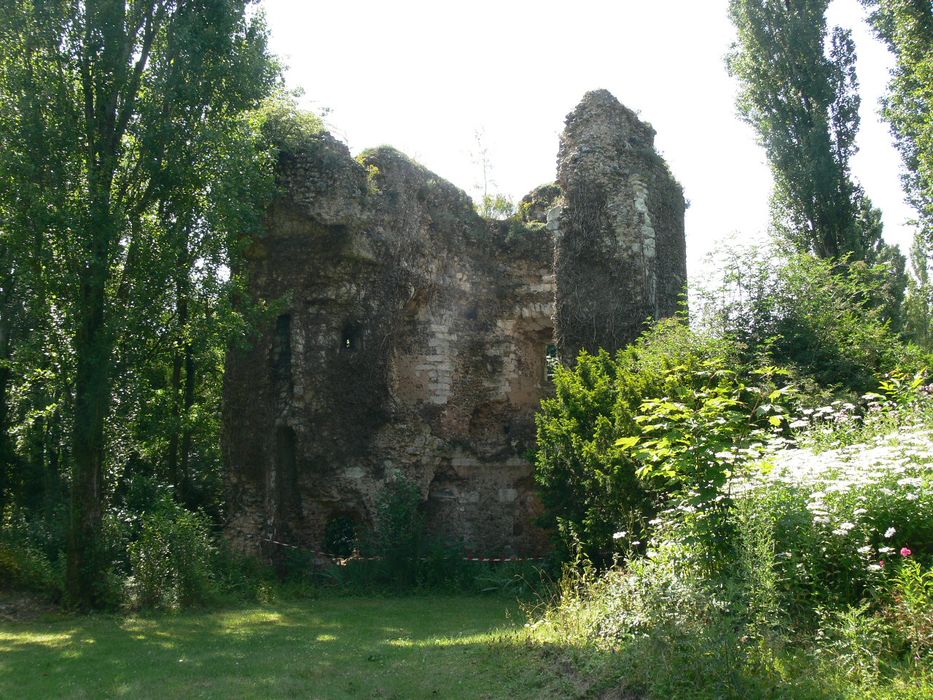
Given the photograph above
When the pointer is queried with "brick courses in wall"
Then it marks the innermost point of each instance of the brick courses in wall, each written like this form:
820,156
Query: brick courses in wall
412,335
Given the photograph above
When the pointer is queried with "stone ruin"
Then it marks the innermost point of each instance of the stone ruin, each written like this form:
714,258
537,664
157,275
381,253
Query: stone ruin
415,337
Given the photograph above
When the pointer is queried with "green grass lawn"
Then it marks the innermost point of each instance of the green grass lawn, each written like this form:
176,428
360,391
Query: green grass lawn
409,647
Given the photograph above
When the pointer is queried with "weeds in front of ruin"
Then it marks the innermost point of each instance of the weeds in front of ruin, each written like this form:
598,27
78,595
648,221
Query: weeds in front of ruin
824,586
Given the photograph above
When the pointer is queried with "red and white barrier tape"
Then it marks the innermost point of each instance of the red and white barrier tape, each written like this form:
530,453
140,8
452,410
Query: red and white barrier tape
357,557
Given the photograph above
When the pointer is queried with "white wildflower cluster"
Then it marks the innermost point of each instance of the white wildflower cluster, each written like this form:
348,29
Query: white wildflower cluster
838,412
842,487
857,465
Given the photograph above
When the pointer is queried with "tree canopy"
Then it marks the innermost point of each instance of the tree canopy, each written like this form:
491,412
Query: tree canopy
906,27
799,90
117,117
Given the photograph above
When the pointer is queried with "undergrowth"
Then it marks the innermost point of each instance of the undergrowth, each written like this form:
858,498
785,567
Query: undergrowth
817,583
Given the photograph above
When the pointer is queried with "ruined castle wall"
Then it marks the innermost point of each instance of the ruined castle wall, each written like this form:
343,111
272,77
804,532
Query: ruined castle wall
620,255
410,343
409,337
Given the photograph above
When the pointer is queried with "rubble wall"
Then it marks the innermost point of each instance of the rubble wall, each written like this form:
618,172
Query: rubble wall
621,254
410,336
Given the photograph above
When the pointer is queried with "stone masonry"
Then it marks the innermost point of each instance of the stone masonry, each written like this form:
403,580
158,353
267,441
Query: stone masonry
412,336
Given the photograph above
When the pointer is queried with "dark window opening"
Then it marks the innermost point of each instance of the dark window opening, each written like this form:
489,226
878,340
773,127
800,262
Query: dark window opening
351,339
551,361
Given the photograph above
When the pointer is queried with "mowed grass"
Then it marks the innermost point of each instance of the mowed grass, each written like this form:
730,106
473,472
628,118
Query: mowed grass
408,647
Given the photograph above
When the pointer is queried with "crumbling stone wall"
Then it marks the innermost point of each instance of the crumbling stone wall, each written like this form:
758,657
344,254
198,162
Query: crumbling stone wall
620,256
414,335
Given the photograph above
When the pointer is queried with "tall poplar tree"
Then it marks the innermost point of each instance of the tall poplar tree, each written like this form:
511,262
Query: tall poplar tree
101,103
906,27
798,89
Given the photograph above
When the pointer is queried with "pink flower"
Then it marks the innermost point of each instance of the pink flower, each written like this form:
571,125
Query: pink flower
905,552
881,563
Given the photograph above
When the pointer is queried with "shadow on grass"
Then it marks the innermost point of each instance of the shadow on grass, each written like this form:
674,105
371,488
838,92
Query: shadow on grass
411,647
402,648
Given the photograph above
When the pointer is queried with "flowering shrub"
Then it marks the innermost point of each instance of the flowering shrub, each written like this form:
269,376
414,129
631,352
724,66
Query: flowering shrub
818,583
662,423
904,398
840,519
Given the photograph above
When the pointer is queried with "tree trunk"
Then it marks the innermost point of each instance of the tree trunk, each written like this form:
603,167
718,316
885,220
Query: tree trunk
93,350
190,378
180,405
6,451
172,458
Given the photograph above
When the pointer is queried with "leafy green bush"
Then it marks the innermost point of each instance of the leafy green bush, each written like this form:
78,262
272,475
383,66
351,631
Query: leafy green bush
824,619
802,575
25,567
398,537
672,632
284,125
859,641
663,421
913,607
825,318
171,561
29,553
243,577
833,542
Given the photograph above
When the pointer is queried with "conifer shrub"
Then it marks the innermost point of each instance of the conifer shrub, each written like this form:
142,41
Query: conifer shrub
659,424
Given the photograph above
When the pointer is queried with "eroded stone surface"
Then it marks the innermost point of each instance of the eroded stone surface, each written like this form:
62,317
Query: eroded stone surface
620,254
414,335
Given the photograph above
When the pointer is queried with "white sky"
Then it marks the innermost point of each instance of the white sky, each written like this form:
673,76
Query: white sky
426,76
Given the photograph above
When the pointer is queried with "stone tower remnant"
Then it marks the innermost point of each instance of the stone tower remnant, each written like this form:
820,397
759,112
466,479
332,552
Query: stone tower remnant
620,257
414,336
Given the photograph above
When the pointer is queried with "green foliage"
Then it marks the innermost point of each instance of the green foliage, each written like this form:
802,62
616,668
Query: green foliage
858,641
913,606
23,566
340,536
397,540
129,176
825,320
662,422
496,206
668,633
918,305
799,90
285,126
676,446
906,26
171,560
243,578
31,548
830,547
826,592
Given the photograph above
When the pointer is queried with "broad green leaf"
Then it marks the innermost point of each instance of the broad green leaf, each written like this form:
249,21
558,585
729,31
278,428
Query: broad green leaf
627,443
